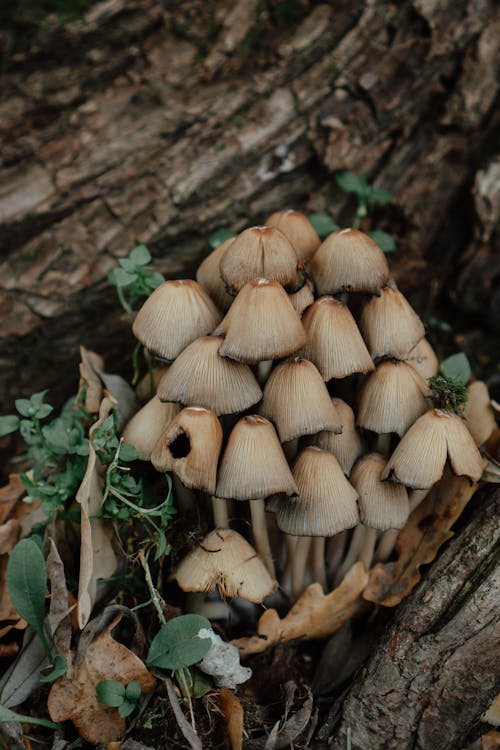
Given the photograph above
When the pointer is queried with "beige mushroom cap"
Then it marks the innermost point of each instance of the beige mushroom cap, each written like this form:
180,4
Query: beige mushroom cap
261,324
382,505
420,457
297,401
145,428
303,298
298,229
347,446
253,465
392,398
259,252
423,359
478,412
177,313
224,559
190,448
334,342
326,503
349,261
389,325
208,276
201,376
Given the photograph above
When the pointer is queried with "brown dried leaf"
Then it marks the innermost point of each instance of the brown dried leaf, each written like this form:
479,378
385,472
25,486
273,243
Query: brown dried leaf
314,614
59,613
490,740
233,714
76,698
97,557
88,374
419,541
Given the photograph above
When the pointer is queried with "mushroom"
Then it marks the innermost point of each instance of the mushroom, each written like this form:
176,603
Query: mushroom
303,298
478,412
176,313
349,261
253,466
299,230
347,446
208,276
201,376
145,428
334,342
423,359
390,326
224,559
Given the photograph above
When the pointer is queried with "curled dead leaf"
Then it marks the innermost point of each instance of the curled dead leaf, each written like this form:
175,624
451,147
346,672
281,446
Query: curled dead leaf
76,699
419,541
234,715
314,614
88,374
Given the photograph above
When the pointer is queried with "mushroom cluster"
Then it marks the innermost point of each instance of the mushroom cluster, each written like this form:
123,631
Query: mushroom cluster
292,372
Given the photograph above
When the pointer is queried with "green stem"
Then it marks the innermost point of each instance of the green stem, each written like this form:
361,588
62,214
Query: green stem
135,362
155,596
123,301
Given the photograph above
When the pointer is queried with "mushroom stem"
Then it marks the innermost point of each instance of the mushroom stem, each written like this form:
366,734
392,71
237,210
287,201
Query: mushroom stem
219,510
183,497
388,538
366,555
353,553
286,579
300,556
335,552
261,535
318,561
263,370
383,443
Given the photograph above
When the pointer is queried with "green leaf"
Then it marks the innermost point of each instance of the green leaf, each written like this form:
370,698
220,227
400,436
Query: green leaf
201,684
140,255
121,278
43,411
27,581
323,224
351,183
383,240
154,280
24,407
128,452
380,195
177,644
9,423
59,667
133,691
126,709
457,367
220,236
6,716
111,693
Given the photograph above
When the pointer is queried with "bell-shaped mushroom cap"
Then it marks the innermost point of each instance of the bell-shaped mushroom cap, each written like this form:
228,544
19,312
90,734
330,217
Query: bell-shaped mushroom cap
145,428
261,324
389,325
225,559
392,398
423,359
298,229
382,505
297,401
200,376
334,342
478,412
208,276
259,252
349,261
303,298
253,465
147,386
326,504
420,457
190,447
346,447
177,313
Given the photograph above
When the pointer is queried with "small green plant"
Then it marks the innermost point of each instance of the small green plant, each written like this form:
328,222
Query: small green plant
134,278
123,697
449,386
220,236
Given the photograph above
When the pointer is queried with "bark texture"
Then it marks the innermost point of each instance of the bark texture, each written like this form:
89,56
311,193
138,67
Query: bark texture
436,670
159,123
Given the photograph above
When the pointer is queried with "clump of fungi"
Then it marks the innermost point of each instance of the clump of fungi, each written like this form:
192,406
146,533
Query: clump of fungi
294,373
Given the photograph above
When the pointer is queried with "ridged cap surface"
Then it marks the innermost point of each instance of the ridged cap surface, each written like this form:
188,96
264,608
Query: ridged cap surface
348,446
145,428
382,505
298,229
390,326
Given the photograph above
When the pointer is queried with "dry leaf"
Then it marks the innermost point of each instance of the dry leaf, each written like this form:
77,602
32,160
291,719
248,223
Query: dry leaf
59,613
490,740
97,557
314,614
93,385
76,698
419,541
233,714
188,732
10,494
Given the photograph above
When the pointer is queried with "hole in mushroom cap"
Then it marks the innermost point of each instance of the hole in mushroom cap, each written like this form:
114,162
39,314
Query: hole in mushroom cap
180,446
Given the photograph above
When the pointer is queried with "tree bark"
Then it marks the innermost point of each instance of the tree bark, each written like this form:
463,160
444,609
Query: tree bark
435,672
140,124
